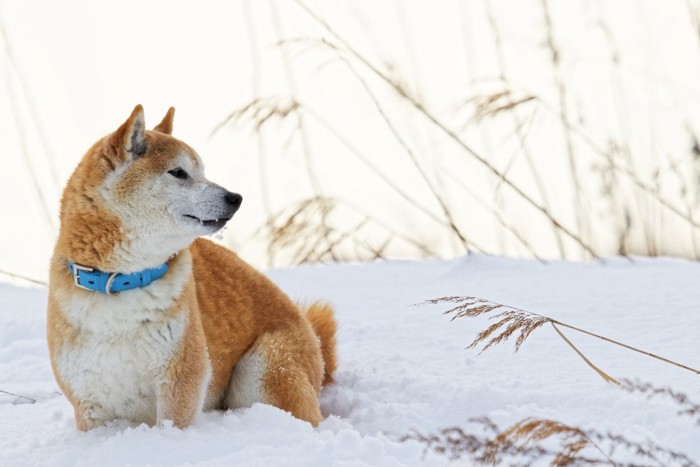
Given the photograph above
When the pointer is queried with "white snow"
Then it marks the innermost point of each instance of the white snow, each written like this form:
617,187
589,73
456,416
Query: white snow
402,367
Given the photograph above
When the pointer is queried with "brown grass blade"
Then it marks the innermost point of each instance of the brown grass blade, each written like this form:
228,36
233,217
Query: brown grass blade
513,320
510,320
260,111
688,408
544,441
450,133
602,374
18,398
534,441
533,431
24,278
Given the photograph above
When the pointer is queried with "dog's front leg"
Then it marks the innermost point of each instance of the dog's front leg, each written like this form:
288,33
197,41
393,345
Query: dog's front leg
183,388
178,404
90,415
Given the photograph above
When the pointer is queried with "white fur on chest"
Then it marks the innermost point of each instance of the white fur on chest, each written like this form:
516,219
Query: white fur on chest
121,373
124,346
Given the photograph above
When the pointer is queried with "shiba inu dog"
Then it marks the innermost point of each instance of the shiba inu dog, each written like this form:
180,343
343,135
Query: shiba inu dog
147,322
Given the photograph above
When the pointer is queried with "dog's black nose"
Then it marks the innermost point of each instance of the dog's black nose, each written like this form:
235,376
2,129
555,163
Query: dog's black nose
233,199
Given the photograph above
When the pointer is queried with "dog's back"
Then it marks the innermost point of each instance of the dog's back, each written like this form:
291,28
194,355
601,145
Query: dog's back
245,315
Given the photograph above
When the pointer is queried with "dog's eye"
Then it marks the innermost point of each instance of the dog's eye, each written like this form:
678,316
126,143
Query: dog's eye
178,173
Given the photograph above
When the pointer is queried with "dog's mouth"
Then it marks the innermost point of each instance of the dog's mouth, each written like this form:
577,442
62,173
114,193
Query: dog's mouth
215,224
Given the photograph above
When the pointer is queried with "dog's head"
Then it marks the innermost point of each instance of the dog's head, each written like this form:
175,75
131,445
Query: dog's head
150,188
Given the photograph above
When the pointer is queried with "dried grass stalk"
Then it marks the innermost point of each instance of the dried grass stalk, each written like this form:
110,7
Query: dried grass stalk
602,374
24,278
492,104
260,111
687,407
303,231
18,398
478,445
418,105
533,431
511,320
309,231
539,441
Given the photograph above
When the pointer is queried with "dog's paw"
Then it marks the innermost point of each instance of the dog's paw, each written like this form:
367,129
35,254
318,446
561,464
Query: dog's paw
90,415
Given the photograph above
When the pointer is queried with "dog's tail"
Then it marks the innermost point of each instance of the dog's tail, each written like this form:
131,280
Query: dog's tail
320,316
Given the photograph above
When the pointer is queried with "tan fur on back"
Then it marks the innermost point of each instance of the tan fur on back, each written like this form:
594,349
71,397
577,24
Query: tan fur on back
213,333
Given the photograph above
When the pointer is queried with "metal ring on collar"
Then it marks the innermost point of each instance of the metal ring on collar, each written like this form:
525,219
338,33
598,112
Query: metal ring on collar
109,283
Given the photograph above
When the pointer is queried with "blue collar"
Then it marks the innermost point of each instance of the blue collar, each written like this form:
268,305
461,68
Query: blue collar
109,283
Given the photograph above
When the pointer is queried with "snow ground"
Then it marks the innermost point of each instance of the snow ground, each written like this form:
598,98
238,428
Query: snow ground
401,367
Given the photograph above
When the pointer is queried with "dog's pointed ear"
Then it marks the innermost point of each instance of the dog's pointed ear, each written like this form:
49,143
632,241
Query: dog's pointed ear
166,125
130,137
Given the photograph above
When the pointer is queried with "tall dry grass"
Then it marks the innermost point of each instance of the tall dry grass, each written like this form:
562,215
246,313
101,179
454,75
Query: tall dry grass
539,441
511,322
21,98
618,203
535,441
621,200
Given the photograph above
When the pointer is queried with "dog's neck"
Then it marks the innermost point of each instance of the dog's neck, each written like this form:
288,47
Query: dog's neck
93,237
89,232
119,258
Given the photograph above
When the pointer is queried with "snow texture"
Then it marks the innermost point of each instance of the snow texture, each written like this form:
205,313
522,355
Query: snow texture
402,367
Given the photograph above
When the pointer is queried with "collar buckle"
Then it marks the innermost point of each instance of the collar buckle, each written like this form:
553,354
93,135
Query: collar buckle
76,275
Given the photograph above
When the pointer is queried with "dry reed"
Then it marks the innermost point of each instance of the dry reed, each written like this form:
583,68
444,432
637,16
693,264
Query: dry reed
255,72
537,441
687,407
511,321
451,134
18,398
563,108
634,224
308,232
23,278
23,136
260,111
292,87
